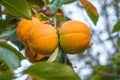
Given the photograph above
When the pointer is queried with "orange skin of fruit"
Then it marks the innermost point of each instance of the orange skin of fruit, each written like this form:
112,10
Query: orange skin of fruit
43,39
40,39
24,27
32,56
74,36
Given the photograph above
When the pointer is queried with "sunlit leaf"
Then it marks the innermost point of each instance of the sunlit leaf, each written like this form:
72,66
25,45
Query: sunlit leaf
18,8
55,5
53,55
116,27
52,71
91,10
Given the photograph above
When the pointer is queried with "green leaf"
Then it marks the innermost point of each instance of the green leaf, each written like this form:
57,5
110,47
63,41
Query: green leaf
0,11
63,58
13,50
38,3
8,28
116,27
61,19
3,25
93,17
10,59
69,1
9,35
52,71
6,75
12,22
44,17
46,2
8,24
104,69
91,10
10,56
55,5
115,59
18,8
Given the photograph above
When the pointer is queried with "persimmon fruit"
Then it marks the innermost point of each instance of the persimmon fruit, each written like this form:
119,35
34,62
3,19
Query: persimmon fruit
43,39
33,56
24,27
39,37
74,36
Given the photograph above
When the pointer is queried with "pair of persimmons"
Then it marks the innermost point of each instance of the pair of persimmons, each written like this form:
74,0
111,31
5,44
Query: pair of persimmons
41,39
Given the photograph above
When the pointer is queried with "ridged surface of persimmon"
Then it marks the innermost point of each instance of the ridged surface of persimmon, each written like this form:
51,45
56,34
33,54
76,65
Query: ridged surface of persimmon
24,27
40,38
43,39
74,36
